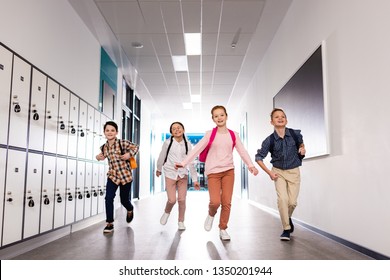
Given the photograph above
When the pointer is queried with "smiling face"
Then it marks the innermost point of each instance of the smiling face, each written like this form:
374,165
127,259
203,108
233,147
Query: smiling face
278,119
110,132
219,116
177,130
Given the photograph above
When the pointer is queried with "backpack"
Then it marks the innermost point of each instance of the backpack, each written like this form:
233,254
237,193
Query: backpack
295,137
203,154
169,147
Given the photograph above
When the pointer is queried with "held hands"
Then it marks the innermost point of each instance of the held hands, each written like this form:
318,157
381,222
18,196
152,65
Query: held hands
197,186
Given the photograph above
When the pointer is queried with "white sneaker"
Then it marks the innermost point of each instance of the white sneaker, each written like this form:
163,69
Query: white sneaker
182,226
164,218
208,224
224,235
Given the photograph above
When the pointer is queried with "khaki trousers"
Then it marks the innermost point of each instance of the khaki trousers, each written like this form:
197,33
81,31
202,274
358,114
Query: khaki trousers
287,189
221,192
170,187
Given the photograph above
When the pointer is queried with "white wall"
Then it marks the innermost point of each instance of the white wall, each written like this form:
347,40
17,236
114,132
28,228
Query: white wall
51,36
345,193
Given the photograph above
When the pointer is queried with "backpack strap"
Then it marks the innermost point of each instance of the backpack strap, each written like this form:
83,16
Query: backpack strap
212,137
294,136
233,137
169,147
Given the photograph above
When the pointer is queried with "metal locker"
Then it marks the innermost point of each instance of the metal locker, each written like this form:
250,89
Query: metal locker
88,190
63,121
97,133
80,184
53,91
82,129
47,193
14,194
101,187
5,91
89,153
3,154
20,95
60,193
37,110
73,125
95,188
70,207
32,197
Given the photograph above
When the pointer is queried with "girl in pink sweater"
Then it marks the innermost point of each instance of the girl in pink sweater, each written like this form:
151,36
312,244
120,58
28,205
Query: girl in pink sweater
219,168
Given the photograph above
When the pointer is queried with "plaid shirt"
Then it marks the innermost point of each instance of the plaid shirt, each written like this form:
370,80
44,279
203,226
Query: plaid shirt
119,170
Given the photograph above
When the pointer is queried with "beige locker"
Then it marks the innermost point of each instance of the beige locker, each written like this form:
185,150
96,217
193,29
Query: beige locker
37,110
73,125
5,91
82,129
95,188
63,122
33,195
14,197
71,191
89,152
47,193
20,96
80,184
52,97
60,193
88,190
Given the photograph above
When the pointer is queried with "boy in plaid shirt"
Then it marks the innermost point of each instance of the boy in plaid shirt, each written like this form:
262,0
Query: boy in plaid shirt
118,153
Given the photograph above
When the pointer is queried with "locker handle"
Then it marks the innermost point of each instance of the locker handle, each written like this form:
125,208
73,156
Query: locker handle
17,108
10,199
1,67
30,201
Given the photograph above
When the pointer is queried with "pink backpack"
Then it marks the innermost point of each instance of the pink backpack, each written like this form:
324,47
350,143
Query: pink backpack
203,154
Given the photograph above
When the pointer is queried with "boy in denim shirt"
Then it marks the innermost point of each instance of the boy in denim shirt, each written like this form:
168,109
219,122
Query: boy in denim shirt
287,151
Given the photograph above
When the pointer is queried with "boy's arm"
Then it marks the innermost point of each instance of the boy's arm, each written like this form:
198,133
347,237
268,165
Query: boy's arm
271,174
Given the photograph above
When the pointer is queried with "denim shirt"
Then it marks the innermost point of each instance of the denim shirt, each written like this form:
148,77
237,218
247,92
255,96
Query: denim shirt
285,153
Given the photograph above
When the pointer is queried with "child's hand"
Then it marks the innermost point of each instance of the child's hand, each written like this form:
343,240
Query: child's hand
125,156
302,150
100,156
197,186
273,176
253,170
158,173
178,165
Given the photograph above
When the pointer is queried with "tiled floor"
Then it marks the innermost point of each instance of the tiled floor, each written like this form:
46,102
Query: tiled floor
254,233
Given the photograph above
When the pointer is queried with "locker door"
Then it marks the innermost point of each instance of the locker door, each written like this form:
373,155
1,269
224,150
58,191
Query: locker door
90,123
101,187
37,110
83,116
53,91
5,91
33,195
14,193
80,184
20,93
60,193
71,191
97,134
63,122
3,154
73,125
47,193
94,188
87,190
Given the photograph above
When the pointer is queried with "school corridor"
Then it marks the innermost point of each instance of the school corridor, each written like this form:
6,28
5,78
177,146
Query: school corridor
254,236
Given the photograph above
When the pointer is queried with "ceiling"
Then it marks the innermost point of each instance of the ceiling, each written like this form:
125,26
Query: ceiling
235,36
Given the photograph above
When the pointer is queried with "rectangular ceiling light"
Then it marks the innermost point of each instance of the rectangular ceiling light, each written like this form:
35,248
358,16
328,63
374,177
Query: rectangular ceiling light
187,105
180,63
193,43
195,98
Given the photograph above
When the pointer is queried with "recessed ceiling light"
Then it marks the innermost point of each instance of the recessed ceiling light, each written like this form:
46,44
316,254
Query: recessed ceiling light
180,63
187,105
193,43
137,45
195,98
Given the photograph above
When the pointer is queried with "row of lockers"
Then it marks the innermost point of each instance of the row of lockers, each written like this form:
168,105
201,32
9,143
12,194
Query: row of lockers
40,114
49,177
42,193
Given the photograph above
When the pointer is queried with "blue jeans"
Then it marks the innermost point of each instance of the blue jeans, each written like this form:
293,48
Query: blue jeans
124,192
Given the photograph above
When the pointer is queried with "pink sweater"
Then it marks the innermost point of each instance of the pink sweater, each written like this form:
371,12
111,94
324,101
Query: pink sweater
220,156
